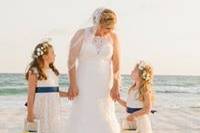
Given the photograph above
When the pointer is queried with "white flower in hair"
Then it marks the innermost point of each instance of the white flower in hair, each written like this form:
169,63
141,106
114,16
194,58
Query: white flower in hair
42,49
45,44
38,49
142,65
38,53
47,39
145,75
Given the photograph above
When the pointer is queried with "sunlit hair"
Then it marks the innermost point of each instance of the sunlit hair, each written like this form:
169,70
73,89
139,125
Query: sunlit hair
146,80
108,19
37,62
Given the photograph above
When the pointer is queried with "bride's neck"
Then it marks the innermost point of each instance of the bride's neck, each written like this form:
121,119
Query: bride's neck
99,33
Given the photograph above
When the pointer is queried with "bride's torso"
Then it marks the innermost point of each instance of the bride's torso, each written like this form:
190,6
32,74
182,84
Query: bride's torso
94,70
95,48
93,109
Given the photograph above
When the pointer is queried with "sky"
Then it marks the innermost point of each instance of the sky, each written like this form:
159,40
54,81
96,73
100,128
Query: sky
165,33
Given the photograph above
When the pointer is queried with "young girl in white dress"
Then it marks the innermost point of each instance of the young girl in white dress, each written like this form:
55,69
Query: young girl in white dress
43,90
140,97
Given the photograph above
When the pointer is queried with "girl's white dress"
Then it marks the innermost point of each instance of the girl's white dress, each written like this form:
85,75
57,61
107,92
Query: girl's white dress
143,123
47,107
93,111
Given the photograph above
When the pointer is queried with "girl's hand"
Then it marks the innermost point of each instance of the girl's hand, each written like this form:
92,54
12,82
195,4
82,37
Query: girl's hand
73,92
131,118
63,94
30,118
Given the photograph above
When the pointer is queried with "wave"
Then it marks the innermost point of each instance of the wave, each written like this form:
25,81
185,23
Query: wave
12,91
195,107
184,92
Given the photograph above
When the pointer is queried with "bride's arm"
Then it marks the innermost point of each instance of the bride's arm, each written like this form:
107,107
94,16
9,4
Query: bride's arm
116,64
75,47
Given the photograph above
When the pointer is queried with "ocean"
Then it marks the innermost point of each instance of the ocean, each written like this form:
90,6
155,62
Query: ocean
170,91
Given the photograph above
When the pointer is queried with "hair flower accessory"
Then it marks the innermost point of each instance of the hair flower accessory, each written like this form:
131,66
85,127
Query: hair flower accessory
142,66
41,49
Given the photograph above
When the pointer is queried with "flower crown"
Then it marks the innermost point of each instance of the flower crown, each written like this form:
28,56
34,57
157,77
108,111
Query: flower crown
145,75
39,51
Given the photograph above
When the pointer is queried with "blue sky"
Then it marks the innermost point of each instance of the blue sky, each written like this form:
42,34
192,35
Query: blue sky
164,32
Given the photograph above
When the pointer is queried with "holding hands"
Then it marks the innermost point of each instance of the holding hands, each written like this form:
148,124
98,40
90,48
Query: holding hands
73,92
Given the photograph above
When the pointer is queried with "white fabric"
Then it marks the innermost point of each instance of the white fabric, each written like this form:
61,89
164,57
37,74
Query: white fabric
132,100
47,106
143,123
93,111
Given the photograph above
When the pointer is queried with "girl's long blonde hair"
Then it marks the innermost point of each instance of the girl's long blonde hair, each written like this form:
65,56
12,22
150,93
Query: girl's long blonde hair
146,76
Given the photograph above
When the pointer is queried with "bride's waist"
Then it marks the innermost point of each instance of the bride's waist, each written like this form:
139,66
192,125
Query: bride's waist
99,62
91,67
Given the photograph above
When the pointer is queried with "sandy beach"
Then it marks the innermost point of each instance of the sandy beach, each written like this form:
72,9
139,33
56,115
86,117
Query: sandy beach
12,114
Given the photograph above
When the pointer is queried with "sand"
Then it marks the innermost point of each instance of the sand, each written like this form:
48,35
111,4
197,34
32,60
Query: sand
166,120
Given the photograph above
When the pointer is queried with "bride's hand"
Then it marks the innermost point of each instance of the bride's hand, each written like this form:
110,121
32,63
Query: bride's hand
114,93
73,92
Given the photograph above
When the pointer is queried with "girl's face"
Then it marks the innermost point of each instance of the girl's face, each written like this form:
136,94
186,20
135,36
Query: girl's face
135,74
50,57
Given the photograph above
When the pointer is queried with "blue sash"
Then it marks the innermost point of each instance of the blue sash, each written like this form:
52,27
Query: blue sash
46,89
132,110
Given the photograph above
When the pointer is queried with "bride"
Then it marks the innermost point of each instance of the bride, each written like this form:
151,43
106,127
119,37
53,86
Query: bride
94,76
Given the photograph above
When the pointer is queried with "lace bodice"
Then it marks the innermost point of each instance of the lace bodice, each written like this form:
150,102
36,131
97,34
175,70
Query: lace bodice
95,47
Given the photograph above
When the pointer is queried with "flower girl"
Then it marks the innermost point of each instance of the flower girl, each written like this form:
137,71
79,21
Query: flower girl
140,97
43,91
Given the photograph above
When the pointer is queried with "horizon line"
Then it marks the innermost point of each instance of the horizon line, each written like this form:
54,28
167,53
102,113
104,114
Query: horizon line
121,74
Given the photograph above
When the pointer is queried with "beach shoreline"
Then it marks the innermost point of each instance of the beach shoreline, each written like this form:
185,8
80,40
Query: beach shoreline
166,120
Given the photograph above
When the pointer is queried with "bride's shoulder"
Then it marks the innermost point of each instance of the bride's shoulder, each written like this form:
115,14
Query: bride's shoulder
79,32
113,34
114,38
82,31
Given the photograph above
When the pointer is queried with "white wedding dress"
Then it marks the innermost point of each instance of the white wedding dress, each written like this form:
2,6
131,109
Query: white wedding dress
93,110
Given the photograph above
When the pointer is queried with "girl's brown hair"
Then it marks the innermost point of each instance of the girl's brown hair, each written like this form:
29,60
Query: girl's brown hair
38,62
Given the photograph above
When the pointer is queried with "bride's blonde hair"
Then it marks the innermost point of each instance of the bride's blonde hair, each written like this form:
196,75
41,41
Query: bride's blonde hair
108,18
146,79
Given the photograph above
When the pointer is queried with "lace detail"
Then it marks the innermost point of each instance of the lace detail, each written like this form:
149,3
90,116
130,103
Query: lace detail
47,107
99,42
